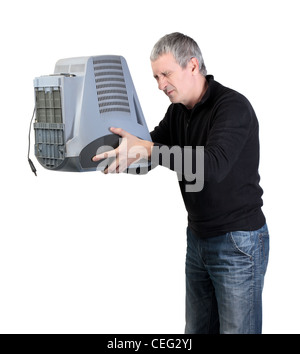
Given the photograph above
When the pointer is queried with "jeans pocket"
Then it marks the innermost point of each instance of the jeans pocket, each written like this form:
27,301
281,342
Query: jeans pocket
264,250
242,243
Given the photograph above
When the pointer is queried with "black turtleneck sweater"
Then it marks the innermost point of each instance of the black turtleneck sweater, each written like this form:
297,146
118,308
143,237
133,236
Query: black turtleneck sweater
225,123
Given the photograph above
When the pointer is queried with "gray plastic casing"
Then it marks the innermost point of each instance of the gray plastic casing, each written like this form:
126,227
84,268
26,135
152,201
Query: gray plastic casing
76,107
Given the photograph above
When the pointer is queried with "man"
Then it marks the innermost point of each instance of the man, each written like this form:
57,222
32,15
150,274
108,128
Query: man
227,235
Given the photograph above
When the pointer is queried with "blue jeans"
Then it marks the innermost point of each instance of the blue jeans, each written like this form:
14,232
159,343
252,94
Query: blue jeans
224,282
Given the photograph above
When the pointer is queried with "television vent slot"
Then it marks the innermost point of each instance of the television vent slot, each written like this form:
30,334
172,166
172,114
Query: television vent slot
110,79
109,73
114,103
110,85
105,92
117,109
104,98
108,67
107,61
77,68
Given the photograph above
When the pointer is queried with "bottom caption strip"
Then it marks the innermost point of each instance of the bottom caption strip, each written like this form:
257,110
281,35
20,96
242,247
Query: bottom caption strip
155,343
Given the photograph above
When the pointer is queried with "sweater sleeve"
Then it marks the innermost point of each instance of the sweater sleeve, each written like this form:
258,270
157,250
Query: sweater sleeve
161,135
232,123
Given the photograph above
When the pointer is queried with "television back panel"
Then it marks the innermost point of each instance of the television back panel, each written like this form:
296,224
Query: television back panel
76,106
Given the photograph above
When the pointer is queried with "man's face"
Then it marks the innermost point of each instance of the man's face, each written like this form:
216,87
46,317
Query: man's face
172,79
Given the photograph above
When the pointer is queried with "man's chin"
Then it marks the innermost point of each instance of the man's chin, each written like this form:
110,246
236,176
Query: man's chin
173,100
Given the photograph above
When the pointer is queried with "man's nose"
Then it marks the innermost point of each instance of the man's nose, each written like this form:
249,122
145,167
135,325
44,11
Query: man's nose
162,83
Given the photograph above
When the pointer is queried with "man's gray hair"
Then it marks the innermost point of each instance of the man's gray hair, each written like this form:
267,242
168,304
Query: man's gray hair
182,47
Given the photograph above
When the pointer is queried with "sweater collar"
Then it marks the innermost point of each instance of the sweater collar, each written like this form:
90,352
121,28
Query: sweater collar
210,80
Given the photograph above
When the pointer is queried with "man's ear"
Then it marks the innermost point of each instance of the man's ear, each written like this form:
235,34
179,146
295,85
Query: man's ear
194,65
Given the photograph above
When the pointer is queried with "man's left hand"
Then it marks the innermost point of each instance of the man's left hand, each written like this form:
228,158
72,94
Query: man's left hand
130,150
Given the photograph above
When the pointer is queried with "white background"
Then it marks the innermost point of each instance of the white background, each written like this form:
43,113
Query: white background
88,253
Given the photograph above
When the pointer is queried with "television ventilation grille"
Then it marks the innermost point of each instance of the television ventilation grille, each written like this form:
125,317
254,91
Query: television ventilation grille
111,87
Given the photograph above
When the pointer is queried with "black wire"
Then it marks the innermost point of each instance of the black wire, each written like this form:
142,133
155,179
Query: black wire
33,169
